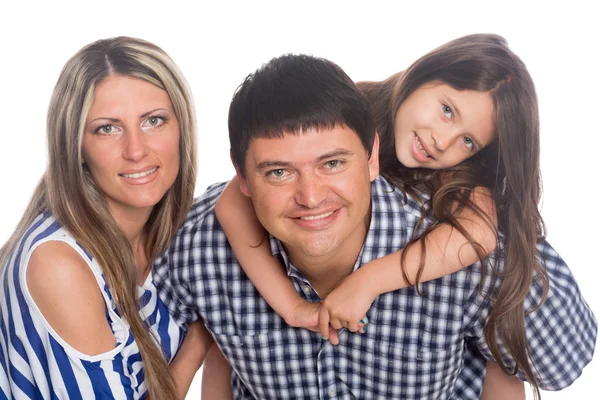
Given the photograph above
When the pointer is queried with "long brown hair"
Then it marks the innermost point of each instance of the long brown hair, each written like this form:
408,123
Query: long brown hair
509,168
68,191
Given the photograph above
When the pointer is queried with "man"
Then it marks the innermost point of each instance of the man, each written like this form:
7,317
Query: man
305,151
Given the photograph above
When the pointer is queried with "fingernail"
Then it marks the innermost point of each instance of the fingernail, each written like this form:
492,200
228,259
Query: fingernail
324,338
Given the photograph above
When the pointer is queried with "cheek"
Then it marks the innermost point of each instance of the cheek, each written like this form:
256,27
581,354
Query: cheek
272,202
266,208
168,149
352,187
454,159
99,163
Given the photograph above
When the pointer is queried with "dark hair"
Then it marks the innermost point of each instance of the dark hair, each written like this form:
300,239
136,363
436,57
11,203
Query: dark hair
292,94
509,167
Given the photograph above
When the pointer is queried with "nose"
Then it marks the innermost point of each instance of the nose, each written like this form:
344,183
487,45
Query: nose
443,138
310,191
135,145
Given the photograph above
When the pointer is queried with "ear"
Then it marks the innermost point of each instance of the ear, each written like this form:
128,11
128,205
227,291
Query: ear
374,159
243,182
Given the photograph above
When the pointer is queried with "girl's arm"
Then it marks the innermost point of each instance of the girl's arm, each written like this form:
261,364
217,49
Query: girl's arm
190,356
499,386
250,243
447,251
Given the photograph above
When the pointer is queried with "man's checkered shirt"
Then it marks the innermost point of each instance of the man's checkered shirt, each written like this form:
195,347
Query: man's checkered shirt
428,346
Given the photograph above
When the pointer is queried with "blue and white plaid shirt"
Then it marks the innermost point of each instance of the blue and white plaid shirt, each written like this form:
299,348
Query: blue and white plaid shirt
415,347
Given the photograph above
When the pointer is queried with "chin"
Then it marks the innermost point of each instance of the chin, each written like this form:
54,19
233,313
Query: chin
144,203
320,248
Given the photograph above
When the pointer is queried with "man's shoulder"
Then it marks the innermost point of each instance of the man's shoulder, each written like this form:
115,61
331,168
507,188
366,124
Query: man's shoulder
390,200
201,229
203,208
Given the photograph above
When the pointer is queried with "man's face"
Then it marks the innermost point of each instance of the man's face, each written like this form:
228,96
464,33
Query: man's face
312,190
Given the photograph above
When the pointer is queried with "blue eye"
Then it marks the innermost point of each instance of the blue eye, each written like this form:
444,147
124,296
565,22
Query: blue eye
447,111
107,129
154,122
333,164
276,173
468,142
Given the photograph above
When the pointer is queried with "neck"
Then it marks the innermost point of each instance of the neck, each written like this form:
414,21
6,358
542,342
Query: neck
326,271
132,223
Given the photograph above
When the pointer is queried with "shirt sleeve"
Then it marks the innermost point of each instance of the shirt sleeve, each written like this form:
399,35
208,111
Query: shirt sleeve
179,274
172,290
561,332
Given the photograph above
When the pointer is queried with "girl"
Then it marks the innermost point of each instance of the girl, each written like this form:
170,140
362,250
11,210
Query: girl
80,315
459,129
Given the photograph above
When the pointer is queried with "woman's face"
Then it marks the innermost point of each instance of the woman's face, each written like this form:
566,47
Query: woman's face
131,143
439,127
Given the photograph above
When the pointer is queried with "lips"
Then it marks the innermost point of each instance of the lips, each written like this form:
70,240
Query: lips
141,174
316,217
315,221
422,147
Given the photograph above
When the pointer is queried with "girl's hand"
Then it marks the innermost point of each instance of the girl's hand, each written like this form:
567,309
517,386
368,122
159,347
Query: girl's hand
347,305
304,315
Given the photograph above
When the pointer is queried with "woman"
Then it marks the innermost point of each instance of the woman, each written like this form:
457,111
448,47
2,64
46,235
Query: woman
81,317
461,126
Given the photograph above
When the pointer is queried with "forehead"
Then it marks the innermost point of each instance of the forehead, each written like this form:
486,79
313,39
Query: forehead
118,93
306,147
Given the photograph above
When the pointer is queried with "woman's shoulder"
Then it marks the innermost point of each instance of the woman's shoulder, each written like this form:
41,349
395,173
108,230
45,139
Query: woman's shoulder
68,294
62,288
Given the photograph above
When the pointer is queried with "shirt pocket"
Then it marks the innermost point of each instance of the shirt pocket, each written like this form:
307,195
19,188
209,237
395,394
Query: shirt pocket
417,373
267,363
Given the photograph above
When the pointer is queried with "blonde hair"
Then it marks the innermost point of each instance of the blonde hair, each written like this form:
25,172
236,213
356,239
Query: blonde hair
68,191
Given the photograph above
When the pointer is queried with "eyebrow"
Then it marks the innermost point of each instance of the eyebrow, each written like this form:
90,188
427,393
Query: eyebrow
282,164
336,153
144,115
270,164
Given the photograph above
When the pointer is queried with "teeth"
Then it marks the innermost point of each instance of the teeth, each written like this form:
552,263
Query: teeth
140,174
313,217
420,147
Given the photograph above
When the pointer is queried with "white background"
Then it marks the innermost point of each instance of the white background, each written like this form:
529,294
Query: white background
216,46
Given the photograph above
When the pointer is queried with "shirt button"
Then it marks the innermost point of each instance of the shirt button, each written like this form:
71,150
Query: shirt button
307,289
331,392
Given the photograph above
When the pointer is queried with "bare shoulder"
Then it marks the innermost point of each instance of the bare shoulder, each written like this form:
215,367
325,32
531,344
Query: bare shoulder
67,294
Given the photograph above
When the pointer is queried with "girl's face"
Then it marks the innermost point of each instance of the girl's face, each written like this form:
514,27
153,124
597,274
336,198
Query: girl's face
131,143
438,127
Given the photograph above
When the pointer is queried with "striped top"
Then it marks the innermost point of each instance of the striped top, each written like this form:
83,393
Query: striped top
37,363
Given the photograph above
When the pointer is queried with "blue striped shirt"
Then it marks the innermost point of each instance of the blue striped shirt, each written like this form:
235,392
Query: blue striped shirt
37,363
